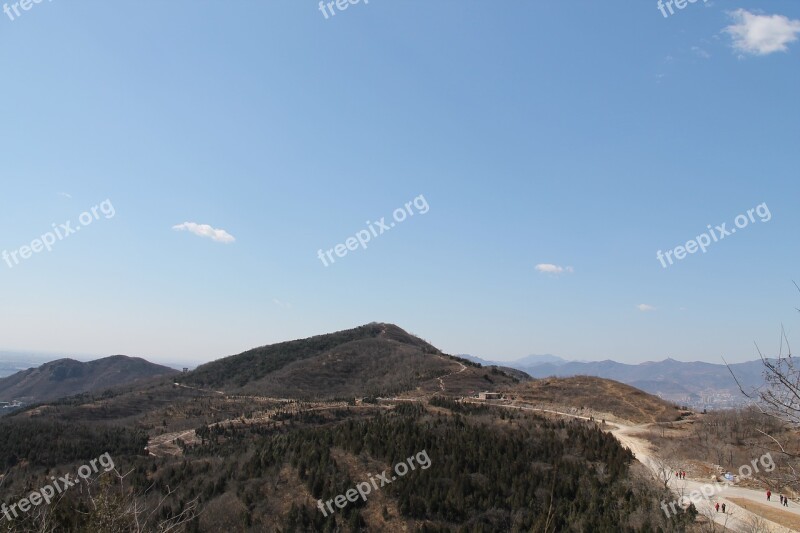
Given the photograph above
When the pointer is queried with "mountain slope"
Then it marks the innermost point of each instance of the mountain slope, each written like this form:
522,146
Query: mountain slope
67,377
598,395
684,382
226,439
371,360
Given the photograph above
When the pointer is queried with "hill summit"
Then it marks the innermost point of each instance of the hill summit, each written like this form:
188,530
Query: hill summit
67,377
373,360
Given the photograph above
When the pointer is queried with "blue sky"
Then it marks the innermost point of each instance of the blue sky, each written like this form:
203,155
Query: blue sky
581,134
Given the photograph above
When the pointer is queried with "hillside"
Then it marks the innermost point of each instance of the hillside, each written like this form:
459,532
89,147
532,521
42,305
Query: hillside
260,439
13,362
67,377
370,360
697,384
599,395
477,468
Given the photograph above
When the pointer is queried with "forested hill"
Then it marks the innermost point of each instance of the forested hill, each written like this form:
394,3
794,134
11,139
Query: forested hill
255,442
67,377
374,359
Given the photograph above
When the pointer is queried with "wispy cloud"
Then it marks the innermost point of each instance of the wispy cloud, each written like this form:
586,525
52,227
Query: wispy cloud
644,308
281,304
204,230
65,195
548,268
699,52
761,34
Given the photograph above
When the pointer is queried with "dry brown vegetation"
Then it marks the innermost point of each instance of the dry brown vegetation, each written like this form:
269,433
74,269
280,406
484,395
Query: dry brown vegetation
772,513
598,395
726,440
221,434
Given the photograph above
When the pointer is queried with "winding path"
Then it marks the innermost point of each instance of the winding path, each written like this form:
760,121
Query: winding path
736,518
441,379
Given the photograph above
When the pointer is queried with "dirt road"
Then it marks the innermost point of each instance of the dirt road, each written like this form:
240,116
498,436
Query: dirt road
736,518
441,379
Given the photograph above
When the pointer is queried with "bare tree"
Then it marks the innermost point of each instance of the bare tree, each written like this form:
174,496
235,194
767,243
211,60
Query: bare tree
756,524
665,471
125,511
708,524
779,398
113,507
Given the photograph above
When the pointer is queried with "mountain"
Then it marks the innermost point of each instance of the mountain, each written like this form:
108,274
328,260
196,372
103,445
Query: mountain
598,395
532,360
371,360
278,438
67,377
696,384
528,360
474,359
13,362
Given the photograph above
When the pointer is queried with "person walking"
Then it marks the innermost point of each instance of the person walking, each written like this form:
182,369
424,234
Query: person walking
717,506
785,501
723,507
781,496
769,494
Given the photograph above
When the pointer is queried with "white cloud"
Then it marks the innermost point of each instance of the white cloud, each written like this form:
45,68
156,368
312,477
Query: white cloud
699,52
548,268
204,230
65,195
644,308
762,34
281,304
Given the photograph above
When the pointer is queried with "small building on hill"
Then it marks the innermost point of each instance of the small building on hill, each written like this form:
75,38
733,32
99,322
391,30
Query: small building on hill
490,395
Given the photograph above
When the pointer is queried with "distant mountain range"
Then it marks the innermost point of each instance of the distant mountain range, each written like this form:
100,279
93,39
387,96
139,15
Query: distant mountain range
67,377
302,372
528,360
695,384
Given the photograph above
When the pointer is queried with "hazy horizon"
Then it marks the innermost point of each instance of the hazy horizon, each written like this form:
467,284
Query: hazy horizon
178,362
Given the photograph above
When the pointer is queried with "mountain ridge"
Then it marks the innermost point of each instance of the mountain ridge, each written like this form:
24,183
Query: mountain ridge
67,377
698,383
373,359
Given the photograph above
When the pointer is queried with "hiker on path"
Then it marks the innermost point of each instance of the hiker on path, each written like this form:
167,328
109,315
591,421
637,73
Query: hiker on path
785,501
781,499
769,494
723,507
717,506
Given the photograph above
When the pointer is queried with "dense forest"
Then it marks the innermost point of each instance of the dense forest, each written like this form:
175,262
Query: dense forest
507,472
489,470
48,443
